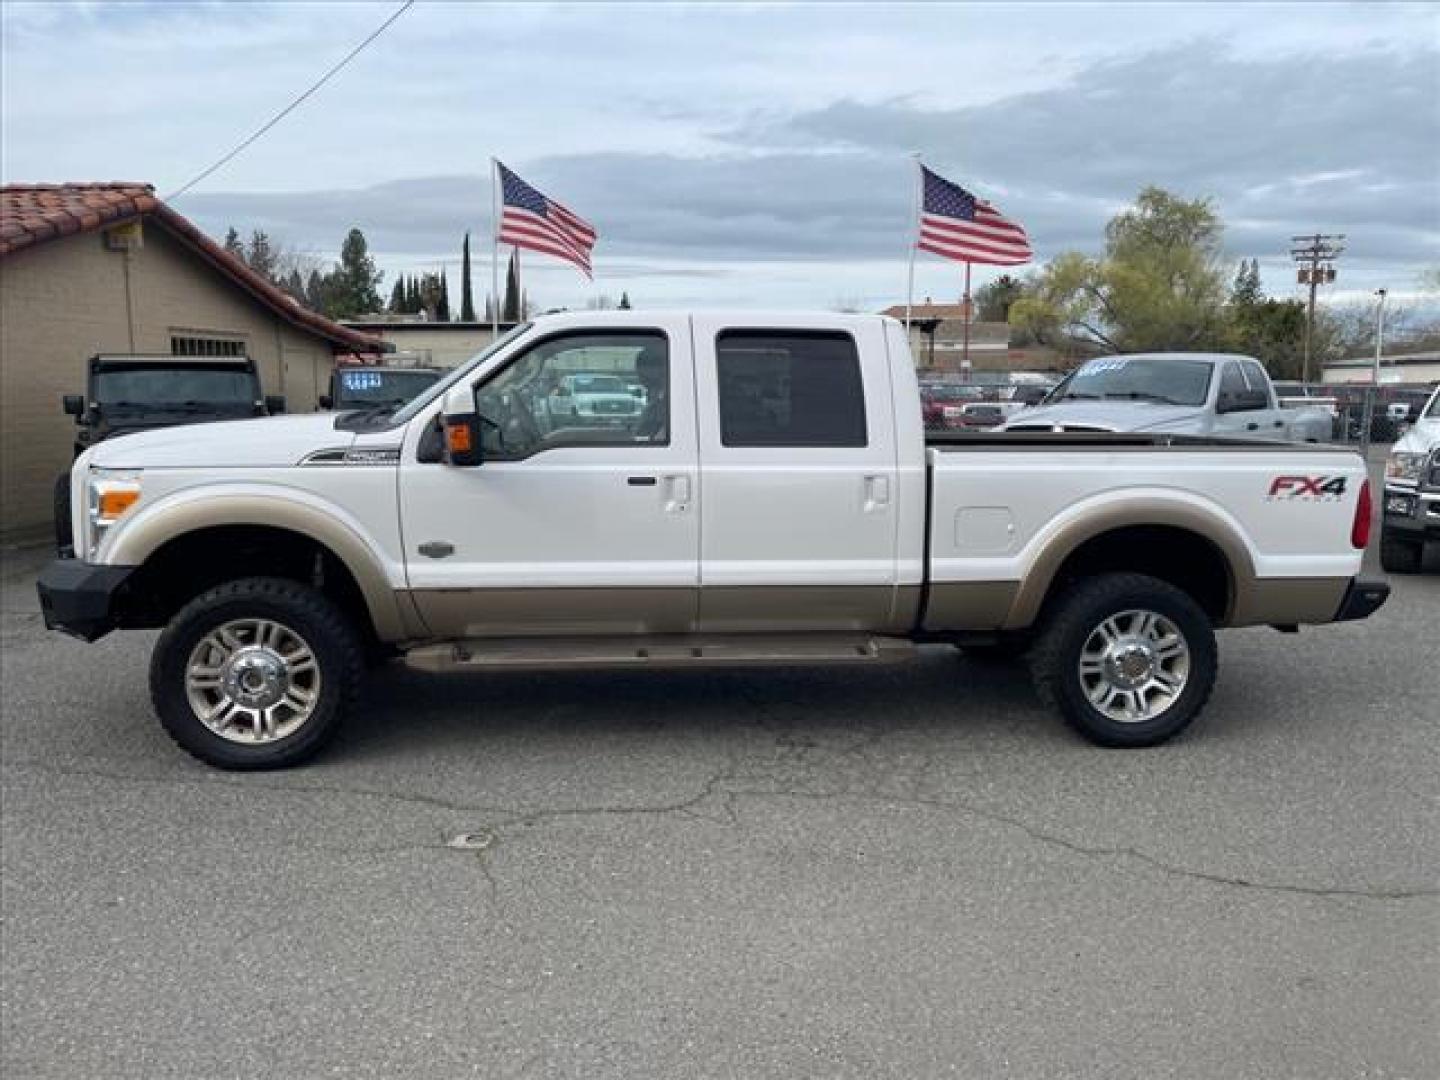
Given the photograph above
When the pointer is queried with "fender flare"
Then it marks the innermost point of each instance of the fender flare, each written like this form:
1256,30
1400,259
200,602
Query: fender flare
1132,511
207,507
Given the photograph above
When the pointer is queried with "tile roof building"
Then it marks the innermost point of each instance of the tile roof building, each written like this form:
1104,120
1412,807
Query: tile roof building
109,268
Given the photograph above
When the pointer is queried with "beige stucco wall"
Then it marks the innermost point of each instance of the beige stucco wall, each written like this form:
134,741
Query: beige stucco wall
431,346
65,300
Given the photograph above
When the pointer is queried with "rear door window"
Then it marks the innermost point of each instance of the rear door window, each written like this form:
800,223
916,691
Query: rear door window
789,388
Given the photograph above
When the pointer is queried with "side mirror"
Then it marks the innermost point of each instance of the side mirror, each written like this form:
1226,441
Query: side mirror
274,404
462,426
74,404
326,401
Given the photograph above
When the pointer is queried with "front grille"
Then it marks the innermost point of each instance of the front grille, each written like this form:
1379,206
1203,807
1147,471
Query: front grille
1432,475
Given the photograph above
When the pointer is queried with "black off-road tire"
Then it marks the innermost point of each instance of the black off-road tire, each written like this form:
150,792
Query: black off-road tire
64,524
1069,621
332,638
1399,554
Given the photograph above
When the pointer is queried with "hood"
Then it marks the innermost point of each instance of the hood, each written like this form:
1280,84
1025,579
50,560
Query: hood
1420,439
266,441
1106,416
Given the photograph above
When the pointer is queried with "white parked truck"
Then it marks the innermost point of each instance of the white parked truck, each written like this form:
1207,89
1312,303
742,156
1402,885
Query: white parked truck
776,502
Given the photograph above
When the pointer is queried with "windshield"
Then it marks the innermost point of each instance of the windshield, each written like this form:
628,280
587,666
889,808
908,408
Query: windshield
376,386
416,404
168,387
1169,381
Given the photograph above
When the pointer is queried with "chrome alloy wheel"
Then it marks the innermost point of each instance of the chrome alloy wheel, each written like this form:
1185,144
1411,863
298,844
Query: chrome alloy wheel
1134,666
252,681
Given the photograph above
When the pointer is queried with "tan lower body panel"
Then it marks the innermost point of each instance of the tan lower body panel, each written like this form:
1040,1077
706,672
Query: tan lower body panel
793,609
969,605
1283,601
476,613
772,609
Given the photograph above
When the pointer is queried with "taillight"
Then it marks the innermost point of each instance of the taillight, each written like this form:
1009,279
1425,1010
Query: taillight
1360,528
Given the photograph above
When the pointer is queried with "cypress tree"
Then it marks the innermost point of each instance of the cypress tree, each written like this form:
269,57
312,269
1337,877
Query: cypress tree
467,297
442,305
510,309
397,295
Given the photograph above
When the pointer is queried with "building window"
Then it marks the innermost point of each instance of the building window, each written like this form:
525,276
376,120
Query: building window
186,344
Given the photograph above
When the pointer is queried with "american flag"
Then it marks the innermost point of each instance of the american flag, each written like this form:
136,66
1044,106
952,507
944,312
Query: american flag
957,225
530,220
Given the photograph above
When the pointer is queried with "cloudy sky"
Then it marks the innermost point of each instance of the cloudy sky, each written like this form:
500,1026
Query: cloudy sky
749,154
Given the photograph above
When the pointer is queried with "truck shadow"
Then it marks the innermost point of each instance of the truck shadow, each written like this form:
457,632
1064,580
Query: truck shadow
941,691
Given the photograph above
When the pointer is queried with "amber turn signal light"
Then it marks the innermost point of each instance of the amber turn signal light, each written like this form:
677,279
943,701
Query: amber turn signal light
116,501
457,438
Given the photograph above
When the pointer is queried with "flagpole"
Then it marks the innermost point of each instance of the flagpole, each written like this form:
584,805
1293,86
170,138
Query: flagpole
494,248
914,239
969,313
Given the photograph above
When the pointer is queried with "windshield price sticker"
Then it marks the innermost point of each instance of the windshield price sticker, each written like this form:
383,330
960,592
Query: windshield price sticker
1099,367
361,380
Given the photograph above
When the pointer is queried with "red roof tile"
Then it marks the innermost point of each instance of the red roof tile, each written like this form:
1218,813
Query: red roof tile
33,213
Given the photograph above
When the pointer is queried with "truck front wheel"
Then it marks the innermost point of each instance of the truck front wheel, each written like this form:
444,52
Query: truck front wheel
1398,553
256,673
1128,660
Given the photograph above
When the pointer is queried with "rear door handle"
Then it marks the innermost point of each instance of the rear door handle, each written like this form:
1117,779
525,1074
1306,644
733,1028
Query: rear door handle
641,481
677,493
877,492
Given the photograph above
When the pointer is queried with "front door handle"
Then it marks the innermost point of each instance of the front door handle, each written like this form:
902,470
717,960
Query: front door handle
641,481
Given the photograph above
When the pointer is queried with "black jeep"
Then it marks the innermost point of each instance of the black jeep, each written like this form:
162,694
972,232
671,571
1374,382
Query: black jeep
125,394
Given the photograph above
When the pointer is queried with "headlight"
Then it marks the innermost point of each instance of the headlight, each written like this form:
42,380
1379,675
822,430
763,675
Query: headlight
1405,467
111,494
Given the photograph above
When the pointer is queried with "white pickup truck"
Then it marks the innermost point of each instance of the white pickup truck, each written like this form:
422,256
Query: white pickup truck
779,504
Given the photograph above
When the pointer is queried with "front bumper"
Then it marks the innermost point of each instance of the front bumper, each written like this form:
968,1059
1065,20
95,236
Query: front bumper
78,598
1362,599
1412,511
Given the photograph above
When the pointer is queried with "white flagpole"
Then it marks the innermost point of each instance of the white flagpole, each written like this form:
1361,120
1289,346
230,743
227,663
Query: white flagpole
494,248
914,238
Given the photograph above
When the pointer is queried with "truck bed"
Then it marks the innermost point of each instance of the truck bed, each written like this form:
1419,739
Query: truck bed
1281,514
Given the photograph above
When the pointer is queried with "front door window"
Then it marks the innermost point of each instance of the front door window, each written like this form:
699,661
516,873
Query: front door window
579,390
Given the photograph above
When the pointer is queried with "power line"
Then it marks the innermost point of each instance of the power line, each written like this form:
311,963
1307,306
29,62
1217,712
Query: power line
295,103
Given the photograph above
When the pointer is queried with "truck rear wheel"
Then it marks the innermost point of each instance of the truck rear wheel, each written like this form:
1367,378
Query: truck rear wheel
256,673
1399,554
1128,660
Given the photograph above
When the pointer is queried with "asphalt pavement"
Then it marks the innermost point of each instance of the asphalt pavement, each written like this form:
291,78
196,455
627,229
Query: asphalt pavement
910,872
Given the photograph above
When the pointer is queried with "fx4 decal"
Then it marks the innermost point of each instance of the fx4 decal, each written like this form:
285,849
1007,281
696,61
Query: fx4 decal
1312,488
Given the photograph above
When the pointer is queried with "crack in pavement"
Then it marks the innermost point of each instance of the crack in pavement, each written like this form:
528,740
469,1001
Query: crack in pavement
712,789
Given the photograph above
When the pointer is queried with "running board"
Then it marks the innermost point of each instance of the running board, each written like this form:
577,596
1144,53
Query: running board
719,651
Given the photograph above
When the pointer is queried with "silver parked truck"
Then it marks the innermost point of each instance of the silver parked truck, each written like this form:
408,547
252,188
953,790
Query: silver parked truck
773,500
1181,393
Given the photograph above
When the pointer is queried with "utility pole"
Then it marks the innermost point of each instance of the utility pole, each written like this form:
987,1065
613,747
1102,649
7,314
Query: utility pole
1373,395
1316,255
